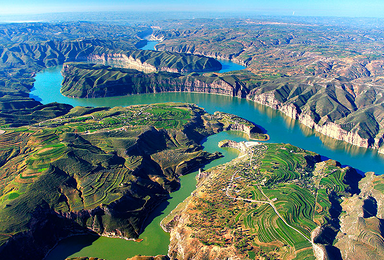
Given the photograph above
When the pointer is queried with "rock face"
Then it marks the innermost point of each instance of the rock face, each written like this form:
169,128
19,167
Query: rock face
122,60
45,230
326,127
361,231
88,81
151,61
332,108
232,144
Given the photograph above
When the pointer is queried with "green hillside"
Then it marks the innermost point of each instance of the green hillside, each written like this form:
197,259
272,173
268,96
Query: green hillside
97,170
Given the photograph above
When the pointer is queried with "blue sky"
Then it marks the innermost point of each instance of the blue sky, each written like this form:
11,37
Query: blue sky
351,8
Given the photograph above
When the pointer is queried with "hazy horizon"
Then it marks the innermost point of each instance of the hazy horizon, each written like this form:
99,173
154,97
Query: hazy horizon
339,8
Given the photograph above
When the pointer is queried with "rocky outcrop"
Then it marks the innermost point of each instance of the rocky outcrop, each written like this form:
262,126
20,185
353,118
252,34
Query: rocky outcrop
151,61
124,61
361,228
235,123
330,129
232,144
332,108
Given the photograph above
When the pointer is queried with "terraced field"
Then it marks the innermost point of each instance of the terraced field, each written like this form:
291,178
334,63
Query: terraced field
89,158
99,170
265,204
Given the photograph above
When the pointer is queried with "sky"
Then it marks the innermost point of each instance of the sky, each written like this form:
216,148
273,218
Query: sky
341,8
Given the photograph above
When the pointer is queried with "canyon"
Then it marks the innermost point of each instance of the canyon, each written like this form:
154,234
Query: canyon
329,107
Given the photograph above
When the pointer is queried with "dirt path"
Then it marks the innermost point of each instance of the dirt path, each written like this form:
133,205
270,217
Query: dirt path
268,201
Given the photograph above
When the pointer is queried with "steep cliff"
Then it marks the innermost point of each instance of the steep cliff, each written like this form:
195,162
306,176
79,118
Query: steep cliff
191,49
328,107
89,80
361,228
151,61
353,114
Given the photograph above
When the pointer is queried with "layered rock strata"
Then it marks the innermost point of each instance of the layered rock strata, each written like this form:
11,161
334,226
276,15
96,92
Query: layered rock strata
332,108
152,61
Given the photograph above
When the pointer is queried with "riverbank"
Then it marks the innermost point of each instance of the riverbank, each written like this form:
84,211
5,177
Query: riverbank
155,240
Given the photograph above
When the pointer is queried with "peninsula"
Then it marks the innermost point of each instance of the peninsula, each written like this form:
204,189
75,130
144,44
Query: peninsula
98,170
277,201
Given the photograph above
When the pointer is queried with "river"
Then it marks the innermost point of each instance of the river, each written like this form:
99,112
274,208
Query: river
155,240
280,128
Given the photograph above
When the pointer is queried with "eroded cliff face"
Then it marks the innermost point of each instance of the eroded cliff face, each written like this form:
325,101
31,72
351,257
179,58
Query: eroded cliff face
117,220
44,230
88,81
361,226
124,61
347,112
191,48
330,129
152,61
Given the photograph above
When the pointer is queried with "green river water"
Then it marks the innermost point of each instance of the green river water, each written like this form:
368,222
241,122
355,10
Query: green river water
155,240
279,127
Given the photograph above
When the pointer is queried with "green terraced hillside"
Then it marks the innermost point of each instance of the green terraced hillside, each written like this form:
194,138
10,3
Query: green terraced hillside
97,170
265,204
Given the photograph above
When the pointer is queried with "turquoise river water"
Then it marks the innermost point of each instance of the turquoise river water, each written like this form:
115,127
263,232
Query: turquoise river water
279,127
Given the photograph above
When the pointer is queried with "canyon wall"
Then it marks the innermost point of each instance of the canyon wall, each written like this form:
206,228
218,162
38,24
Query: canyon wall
152,61
331,108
